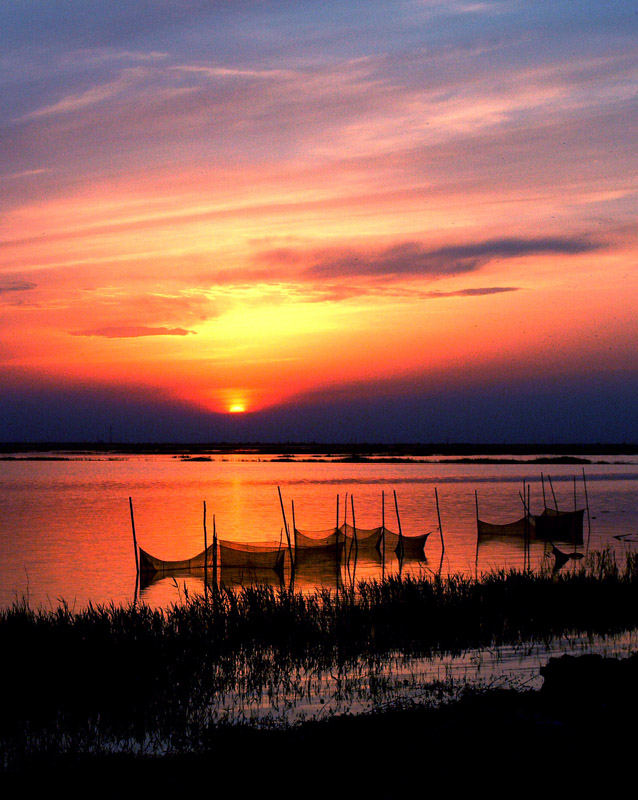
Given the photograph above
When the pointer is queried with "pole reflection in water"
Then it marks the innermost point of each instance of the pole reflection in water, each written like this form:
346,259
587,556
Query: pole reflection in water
66,525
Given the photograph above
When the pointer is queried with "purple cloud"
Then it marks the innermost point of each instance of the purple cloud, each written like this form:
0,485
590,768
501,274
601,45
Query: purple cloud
412,258
131,332
16,286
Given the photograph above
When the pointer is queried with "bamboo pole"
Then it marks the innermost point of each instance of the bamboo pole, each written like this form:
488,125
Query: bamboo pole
281,502
438,514
337,534
347,550
294,525
283,513
396,508
527,517
383,509
214,552
352,574
529,531
205,555
551,486
477,529
137,557
294,535
354,528
294,542
587,506
382,533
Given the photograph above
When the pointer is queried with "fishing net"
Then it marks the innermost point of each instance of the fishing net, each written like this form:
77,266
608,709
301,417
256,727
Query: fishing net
230,554
523,527
560,526
149,563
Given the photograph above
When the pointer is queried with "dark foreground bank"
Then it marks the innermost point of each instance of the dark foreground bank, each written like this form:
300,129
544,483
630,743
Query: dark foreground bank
86,694
576,732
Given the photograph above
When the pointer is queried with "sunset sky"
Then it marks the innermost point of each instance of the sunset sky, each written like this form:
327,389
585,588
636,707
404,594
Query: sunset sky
406,220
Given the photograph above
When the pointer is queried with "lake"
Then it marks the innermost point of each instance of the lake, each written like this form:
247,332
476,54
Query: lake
65,527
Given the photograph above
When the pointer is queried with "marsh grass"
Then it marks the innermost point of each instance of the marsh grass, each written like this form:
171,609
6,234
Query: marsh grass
138,680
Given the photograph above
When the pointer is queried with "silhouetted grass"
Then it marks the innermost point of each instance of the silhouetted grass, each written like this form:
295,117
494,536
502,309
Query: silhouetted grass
135,678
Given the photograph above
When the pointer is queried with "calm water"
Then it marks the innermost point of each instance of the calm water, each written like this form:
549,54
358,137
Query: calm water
65,529
396,678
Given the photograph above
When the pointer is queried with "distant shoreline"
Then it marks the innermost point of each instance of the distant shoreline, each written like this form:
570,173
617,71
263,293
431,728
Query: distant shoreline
355,453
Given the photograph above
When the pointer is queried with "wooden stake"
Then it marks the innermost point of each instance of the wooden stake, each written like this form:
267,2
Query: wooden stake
587,506
551,486
205,554
383,534
293,549
354,527
527,520
396,508
353,542
294,525
214,552
337,534
477,528
438,513
281,502
383,509
544,498
346,550
529,531
137,557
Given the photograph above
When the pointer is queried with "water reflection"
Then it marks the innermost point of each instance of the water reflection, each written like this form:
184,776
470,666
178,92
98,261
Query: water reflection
312,572
65,529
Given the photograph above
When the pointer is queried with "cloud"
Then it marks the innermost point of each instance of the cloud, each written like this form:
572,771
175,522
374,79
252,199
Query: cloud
90,97
225,72
479,292
131,332
16,286
412,258
25,173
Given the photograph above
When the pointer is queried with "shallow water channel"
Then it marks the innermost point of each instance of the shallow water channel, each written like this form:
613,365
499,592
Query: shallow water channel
397,680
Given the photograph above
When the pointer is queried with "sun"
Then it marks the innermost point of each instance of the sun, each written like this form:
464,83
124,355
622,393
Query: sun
237,408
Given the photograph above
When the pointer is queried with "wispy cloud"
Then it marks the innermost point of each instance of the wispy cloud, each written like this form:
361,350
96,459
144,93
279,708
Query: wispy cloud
231,72
478,292
16,286
131,332
25,173
100,55
88,98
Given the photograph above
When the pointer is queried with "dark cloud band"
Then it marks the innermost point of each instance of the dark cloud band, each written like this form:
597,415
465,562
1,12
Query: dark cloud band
16,286
132,332
412,258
